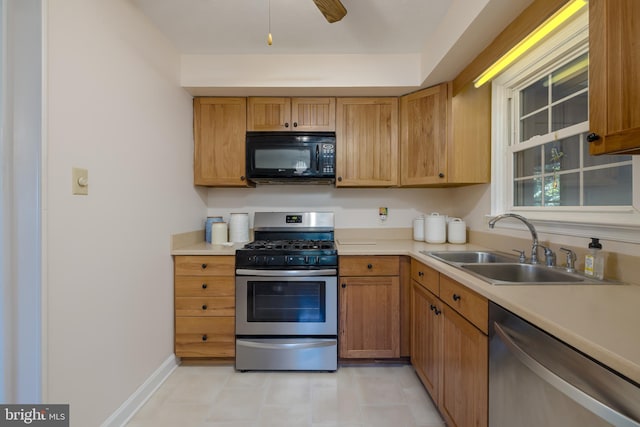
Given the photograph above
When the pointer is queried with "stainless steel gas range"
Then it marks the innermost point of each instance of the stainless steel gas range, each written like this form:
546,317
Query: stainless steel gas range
287,294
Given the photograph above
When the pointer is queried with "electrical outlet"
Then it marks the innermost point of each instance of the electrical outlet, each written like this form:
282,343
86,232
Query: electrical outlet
383,213
80,181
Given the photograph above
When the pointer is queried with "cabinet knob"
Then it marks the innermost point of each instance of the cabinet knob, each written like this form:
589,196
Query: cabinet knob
441,175
204,266
432,307
204,306
339,179
592,137
286,125
369,266
295,124
437,312
420,273
204,337
456,297
204,286
344,285
243,178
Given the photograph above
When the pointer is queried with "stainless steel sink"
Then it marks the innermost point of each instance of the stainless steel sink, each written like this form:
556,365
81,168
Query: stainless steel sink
471,257
526,274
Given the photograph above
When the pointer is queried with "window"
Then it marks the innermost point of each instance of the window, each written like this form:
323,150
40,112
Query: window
541,163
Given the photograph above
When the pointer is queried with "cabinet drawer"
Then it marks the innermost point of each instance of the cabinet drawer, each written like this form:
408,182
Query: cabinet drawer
469,304
205,265
205,337
204,286
369,266
203,306
426,276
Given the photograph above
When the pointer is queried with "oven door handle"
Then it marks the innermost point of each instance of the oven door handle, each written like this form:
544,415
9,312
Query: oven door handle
287,273
287,346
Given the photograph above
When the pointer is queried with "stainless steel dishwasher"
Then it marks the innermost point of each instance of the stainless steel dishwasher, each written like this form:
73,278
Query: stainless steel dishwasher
536,380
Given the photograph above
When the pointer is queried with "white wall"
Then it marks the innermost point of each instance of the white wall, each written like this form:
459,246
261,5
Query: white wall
353,207
114,106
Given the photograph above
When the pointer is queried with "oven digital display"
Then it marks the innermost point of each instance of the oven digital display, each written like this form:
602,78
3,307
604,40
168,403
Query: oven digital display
294,219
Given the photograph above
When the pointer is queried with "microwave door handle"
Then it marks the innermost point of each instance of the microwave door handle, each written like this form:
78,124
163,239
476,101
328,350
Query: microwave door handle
317,158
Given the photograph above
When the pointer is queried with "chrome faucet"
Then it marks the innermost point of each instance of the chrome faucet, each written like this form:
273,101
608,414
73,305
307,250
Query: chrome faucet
532,229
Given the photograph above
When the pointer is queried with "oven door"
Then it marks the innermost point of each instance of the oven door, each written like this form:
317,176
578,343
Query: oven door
286,305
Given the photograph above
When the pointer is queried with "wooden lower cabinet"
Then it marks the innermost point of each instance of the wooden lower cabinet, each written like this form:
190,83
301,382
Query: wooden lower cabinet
449,352
204,289
369,307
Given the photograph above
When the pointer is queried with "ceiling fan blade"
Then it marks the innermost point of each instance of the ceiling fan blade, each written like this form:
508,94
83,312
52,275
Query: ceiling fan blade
332,10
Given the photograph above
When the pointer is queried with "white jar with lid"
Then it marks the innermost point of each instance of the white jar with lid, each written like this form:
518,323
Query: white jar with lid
457,231
418,228
435,228
239,227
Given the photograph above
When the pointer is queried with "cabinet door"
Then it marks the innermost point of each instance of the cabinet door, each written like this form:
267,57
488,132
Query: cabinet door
313,114
614,67
426,337
369,317
464,392
219,141
269,114
423,136
367,142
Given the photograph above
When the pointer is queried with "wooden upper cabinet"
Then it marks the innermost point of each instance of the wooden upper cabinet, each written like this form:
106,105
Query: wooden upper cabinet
614,67
423,136
367,142
445,140
291,114
219,141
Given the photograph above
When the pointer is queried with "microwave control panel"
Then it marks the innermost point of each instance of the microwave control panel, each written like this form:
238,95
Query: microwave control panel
328,158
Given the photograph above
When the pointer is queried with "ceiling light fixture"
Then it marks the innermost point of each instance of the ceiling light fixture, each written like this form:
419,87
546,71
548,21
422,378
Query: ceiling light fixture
269,38
567,11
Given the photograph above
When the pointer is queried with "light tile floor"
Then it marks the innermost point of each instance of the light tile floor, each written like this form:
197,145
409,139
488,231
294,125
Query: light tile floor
366,396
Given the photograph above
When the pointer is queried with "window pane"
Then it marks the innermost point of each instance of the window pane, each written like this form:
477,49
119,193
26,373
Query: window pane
527,192
562,190
590,160
534,97
572,111
608,187
562,155
538,124
527,162
571,78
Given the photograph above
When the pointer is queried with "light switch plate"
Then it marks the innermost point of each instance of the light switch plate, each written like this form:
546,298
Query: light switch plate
80,181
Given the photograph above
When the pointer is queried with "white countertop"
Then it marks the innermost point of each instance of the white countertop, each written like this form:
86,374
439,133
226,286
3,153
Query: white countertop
599,320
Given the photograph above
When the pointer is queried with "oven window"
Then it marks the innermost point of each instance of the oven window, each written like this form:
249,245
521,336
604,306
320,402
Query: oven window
283,158
286,301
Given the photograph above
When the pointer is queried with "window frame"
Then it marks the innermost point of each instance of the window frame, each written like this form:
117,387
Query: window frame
620,223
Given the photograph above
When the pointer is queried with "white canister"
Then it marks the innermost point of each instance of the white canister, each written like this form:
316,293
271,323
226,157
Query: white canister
418,228
219,233
435,228
239,227
457,231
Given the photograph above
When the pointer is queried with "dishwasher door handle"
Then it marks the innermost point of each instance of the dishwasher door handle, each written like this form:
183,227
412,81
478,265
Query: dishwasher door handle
574,393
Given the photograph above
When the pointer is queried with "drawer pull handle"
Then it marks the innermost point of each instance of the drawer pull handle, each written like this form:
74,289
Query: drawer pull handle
204,266
456,297
204,306
420,274
204,286
432,307
204,337
369,266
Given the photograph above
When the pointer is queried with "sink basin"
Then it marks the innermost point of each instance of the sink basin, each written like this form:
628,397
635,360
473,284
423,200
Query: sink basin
510,274
471,257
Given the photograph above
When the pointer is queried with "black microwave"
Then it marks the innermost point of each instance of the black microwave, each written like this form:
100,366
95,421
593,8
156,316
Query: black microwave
291,157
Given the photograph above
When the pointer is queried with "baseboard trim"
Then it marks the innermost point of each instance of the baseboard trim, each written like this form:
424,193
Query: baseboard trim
139,397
